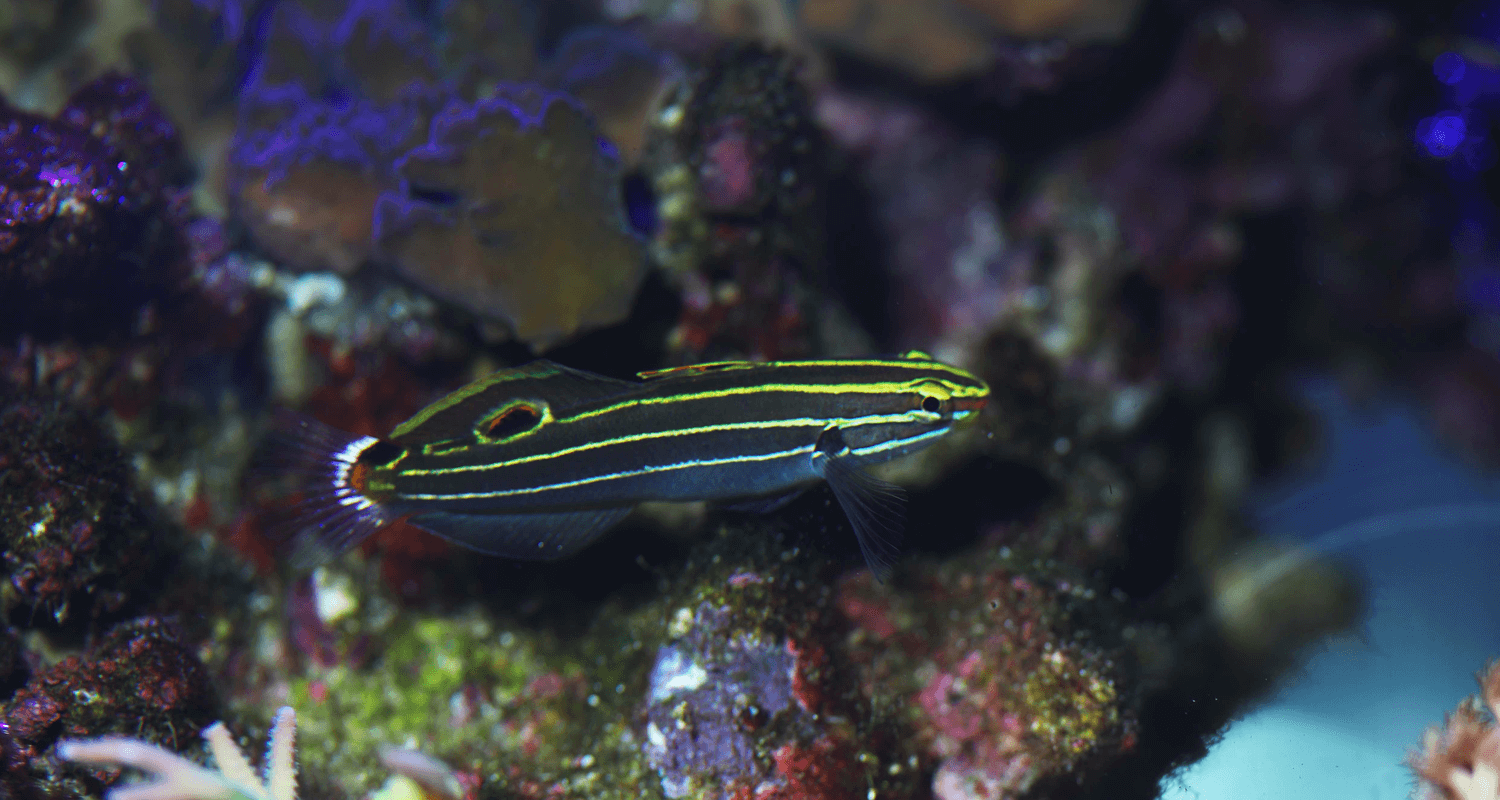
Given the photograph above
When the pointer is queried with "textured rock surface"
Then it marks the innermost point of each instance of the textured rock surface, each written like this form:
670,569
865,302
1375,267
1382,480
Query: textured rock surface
512,209
76,539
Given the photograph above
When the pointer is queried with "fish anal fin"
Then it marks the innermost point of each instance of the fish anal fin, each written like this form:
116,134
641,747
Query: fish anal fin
876,509
765,504
530,537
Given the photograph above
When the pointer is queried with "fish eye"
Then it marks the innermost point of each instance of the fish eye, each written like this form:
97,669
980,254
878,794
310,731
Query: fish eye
931,404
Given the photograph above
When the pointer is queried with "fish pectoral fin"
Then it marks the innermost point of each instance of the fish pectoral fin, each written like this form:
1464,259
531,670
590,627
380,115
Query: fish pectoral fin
765,505
875,508
531,537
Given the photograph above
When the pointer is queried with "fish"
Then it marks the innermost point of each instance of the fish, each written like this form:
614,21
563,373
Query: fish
537,461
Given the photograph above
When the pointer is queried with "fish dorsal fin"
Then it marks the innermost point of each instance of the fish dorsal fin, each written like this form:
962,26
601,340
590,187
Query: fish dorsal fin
529,537
696,369
549,383
875,508
581,382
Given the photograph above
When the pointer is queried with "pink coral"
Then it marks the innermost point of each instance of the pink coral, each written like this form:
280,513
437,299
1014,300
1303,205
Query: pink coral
1461,760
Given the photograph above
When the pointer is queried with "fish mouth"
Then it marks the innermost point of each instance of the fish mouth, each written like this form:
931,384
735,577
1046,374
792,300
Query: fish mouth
972,404
966,410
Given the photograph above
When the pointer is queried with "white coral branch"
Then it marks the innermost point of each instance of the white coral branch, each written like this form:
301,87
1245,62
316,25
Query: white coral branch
176,778
1461,760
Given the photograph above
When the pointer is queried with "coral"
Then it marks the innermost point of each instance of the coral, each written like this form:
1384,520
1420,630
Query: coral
435,188
1461,760
381,50
88,212
176,778
620,78
488,43
986,666
416,776
138,680
512,209
353,145
307,186
76,539
328,107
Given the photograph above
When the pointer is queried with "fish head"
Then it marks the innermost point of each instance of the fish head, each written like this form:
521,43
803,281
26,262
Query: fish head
924,402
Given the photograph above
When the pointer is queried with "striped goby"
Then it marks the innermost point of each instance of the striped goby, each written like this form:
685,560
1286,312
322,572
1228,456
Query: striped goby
537,461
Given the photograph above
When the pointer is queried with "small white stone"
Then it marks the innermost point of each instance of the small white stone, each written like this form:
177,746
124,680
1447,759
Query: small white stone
675,673
333,595
314,289
682,622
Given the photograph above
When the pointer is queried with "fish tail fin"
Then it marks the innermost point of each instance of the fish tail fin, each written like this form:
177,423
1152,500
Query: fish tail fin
320,465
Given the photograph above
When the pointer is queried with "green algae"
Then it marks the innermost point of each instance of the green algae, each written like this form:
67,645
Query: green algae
1074,707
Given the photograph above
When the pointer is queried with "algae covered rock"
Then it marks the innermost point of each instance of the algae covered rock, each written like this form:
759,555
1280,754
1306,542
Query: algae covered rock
87,212
745,698
1003,683
76,539
139,680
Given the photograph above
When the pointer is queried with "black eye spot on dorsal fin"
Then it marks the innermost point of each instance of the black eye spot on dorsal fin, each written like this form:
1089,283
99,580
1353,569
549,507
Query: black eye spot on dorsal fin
511,420
379,454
